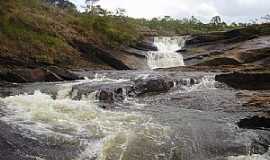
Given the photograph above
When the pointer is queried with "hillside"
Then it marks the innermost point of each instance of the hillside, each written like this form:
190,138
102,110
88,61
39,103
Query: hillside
34,33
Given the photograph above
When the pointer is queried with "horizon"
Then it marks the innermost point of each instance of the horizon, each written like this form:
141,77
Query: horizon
239,11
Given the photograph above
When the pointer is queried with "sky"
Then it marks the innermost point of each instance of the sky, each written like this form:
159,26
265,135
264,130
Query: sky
229,10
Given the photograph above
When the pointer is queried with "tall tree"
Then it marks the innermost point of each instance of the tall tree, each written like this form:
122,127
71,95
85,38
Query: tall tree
90,5
121,12
216,20
266,18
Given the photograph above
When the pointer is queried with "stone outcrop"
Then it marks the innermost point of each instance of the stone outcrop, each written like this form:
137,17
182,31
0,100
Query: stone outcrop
50,74
220,61
246,80
241,46
152,85
145,46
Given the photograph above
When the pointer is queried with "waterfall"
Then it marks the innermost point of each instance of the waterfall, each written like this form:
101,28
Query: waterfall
166,56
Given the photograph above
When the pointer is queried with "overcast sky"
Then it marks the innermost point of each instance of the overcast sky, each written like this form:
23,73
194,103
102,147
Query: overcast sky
229,10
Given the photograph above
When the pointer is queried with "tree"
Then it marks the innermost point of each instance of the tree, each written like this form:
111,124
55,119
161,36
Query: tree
194,20
266,18
65,4
234,25
121,12
216,20
90,5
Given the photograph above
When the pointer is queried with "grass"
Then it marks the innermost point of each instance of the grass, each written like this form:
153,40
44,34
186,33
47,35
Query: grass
34,30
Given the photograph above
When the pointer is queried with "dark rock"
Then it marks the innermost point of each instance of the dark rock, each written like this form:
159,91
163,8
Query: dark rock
233,36
105,96
255,122
246,80
28,75
7,84
181,50
14,145
106,93
145,46
64,74
91,51
152,85
220,61
36,75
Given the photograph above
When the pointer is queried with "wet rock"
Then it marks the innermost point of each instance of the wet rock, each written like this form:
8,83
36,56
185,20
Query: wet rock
260,124
36,75
145,46
152,85
64,74
181,50
105,96
28,75
256,122
105,93
14,145
220,61
246,80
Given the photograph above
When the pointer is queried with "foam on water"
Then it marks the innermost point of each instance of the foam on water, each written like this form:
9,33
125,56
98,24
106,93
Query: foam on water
266,156
207,82
106,134
166,56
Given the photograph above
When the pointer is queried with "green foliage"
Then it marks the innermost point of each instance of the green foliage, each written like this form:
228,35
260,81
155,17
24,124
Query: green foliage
170,26
15,30
114,30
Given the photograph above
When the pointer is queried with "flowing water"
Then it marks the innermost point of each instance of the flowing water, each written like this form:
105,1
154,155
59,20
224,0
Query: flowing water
166,56
191,121
124,115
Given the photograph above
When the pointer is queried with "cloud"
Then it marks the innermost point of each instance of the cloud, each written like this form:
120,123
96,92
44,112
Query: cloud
230,10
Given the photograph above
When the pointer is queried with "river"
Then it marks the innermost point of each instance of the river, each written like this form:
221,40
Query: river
129,115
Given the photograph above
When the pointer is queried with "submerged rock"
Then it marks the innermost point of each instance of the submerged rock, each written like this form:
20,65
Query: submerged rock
106,93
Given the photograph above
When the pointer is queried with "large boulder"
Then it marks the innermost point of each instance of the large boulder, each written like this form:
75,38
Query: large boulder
156,84
246,80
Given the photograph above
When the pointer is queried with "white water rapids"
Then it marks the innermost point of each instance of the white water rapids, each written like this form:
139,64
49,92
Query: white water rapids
166,56
107,135
114,134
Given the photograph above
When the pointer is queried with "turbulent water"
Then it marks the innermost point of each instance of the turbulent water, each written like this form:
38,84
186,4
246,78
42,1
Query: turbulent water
124,115
166,56
192,121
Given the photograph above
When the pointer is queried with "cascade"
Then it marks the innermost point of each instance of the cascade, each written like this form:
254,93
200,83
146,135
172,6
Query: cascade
166,56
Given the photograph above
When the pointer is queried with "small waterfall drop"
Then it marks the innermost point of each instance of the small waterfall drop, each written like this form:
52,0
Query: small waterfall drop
166,56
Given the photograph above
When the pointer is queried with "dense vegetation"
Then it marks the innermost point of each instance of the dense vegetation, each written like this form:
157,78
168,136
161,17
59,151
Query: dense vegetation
168,25
43,31
34,31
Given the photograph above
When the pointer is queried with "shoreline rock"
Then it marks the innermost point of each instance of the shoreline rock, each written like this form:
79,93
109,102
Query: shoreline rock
246,80
28,75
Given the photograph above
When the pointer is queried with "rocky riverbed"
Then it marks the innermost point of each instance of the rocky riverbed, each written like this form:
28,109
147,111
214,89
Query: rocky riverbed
133,115
210,101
